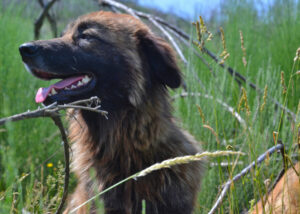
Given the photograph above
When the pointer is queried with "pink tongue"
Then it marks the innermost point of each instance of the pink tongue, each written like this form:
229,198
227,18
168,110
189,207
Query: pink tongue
42,93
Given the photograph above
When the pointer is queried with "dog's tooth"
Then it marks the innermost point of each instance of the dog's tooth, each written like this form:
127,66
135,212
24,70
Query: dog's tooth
86,79
53,91
79,83
73,86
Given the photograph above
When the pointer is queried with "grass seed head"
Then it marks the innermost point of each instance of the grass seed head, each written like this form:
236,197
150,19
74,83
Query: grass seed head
283,82
201,114
243,48
183,160
203,27
264,99
243,103
213,132
297,57
224,53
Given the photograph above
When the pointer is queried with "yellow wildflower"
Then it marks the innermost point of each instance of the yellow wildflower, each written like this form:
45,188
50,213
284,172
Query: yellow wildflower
49,165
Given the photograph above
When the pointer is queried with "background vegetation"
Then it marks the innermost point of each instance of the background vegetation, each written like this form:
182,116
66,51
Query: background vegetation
30,151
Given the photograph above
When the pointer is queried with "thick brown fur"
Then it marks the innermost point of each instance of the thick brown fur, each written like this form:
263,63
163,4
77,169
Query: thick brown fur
140,130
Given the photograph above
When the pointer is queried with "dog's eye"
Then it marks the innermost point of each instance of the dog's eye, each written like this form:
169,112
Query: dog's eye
86,36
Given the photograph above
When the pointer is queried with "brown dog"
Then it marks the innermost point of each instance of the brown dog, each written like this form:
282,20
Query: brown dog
117,58
285,197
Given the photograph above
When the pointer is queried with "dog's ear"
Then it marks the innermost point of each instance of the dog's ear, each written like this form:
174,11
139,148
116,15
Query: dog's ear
161,59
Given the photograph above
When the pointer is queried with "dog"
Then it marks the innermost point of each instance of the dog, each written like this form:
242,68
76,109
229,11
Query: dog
120,60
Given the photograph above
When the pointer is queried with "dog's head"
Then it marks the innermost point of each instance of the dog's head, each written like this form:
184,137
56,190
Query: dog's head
113,56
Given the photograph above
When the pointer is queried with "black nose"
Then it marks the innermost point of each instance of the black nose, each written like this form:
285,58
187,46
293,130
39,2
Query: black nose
28,49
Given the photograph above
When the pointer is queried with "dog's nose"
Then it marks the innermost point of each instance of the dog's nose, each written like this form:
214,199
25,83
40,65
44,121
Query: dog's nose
28,49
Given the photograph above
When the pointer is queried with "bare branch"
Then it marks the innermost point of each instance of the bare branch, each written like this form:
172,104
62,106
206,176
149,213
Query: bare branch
59,124
118,5
170,38
29,114
53,109
39,22
51,20
226,186
225,105
225,164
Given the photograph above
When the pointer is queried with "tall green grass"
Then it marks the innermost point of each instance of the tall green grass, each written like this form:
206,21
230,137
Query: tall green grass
271,39
24,145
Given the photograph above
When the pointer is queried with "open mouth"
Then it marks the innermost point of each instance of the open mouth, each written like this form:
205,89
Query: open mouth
69,85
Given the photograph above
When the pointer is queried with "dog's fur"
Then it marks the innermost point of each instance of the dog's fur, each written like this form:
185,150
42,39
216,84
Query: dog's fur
131,68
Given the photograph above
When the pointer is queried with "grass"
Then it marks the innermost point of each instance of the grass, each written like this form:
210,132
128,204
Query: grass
271,39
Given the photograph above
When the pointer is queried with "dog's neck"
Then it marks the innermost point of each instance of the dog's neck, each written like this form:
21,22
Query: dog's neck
132,127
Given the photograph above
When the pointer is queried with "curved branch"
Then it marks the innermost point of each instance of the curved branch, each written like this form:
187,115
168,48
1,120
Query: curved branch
53,109
225,105
59,124
226,186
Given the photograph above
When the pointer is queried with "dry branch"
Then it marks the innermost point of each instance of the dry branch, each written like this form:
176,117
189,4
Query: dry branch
39,22
118,5
225,105
51,20
53,109
227,185
170,38
57,120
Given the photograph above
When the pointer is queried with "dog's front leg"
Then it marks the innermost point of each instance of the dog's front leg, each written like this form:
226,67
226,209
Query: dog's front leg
120,200
175,199
79,196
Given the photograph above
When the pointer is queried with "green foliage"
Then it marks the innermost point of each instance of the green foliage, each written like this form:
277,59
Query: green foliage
271,38
20,152
270,43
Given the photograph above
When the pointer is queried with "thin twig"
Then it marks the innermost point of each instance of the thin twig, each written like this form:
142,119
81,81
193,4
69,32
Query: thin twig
225,105
51,20
225,164
40,112
53,109
90,101
170,38
93,109
39,22
57,120
118,5
226,186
